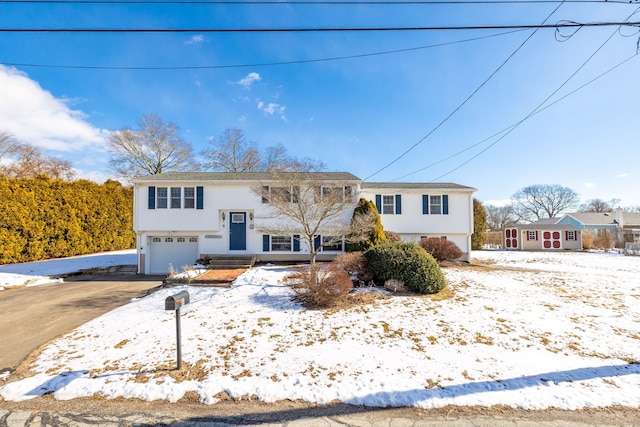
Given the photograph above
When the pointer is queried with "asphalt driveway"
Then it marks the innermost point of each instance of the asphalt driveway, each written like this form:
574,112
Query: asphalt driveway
31,317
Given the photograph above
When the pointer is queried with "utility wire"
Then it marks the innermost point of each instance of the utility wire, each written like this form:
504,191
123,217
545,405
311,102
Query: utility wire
515,124
536,109
318,30
309,3
455,110
265,64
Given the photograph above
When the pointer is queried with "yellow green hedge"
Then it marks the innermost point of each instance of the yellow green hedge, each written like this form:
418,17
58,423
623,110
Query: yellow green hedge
44,218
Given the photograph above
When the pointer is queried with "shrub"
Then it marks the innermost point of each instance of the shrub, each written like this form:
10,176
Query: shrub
392,236
321,286
604,240
587,239
366,227
356,264
408,263
441,249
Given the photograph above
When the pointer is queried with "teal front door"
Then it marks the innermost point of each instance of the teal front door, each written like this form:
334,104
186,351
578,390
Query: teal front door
238,231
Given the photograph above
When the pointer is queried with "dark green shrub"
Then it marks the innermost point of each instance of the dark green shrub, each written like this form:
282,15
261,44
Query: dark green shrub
441,249
408,263
366,227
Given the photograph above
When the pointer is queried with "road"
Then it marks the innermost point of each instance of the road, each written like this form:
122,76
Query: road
31,317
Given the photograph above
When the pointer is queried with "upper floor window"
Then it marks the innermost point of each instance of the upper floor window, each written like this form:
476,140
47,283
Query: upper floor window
189,198
280,194
388,205
175,197
162,198
435,204
337,193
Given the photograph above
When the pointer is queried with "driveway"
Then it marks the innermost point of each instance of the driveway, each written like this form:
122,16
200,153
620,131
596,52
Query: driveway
31,317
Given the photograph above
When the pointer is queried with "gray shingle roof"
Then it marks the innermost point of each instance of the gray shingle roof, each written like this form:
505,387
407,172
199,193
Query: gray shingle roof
416,185
545,226
240,176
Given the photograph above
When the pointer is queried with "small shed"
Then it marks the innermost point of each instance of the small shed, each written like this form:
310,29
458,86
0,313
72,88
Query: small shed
542,235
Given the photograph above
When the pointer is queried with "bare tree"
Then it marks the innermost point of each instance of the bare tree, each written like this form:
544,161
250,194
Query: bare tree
598,206
306,204
500,217
7,144
231,152
153,148
28,161
543,201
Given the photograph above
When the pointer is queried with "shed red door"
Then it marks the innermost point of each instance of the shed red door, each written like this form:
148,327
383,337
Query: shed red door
511,238
552,240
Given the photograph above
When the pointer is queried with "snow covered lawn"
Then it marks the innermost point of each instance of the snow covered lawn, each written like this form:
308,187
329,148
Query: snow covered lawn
527,330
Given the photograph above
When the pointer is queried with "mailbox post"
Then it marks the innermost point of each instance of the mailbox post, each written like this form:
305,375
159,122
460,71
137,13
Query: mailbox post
175,302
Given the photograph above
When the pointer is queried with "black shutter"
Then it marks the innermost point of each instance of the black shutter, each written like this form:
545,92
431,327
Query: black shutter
152,197
425,204
265,243
199,198
379,203
398,204
445,205
296,243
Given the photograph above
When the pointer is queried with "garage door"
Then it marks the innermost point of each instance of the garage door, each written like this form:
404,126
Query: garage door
174,251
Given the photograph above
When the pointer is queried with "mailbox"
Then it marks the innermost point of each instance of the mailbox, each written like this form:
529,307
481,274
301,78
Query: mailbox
174,302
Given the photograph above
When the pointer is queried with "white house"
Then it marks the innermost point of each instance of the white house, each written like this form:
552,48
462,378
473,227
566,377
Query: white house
180,216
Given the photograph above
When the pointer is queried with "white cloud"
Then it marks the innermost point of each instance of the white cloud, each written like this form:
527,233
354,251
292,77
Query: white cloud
249,79
33,115
197,39
623,175
498,203
590,185
272,109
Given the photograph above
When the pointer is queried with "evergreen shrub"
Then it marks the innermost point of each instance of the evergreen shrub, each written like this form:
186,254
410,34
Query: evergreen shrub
406,262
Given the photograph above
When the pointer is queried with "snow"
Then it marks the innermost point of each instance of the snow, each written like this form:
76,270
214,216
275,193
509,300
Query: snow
525,330
39,273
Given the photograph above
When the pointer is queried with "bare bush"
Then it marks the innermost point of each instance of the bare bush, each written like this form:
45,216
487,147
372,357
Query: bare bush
392,236
587,239
356,265
604,240
441,249
321,286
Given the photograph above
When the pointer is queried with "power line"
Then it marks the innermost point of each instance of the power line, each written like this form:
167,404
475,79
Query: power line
321,30
455,110
537,108
310,3
515,124
265,64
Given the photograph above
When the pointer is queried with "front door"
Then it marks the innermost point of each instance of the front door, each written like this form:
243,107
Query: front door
238,231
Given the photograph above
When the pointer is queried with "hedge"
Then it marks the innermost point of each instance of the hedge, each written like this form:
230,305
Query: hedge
43,218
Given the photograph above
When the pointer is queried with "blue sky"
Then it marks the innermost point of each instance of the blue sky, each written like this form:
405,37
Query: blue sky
357,114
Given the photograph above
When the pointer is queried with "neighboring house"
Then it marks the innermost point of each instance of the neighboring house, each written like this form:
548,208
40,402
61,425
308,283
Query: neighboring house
566,232
417,210
179,216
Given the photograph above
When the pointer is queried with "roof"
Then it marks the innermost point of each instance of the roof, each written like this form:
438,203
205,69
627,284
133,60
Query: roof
591,218
416,185
545,226
546,221
241,176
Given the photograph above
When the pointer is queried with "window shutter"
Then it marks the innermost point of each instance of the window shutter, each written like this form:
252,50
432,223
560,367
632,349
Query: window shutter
265,243
445,204
199,197
316,242
152,197
379,202
425,204
536,235
398,204
296,243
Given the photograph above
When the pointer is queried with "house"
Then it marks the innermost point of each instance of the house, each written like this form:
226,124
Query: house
566,232
180,216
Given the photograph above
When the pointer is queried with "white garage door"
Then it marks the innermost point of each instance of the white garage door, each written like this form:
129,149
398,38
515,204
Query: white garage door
174,251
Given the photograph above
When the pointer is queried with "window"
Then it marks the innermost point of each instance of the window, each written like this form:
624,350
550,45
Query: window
281,243
388,205
330,243
176,194
280,194
237,218
162,198
157,240
571,235
435,205
193,240
532,235
168,240
180,240
189,198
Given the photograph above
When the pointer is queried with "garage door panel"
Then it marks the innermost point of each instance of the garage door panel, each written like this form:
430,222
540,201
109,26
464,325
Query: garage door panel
172,251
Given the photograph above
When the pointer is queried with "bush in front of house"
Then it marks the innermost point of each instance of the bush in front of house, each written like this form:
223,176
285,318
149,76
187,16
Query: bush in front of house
323,286
408,263
392,236
441,249
356,264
